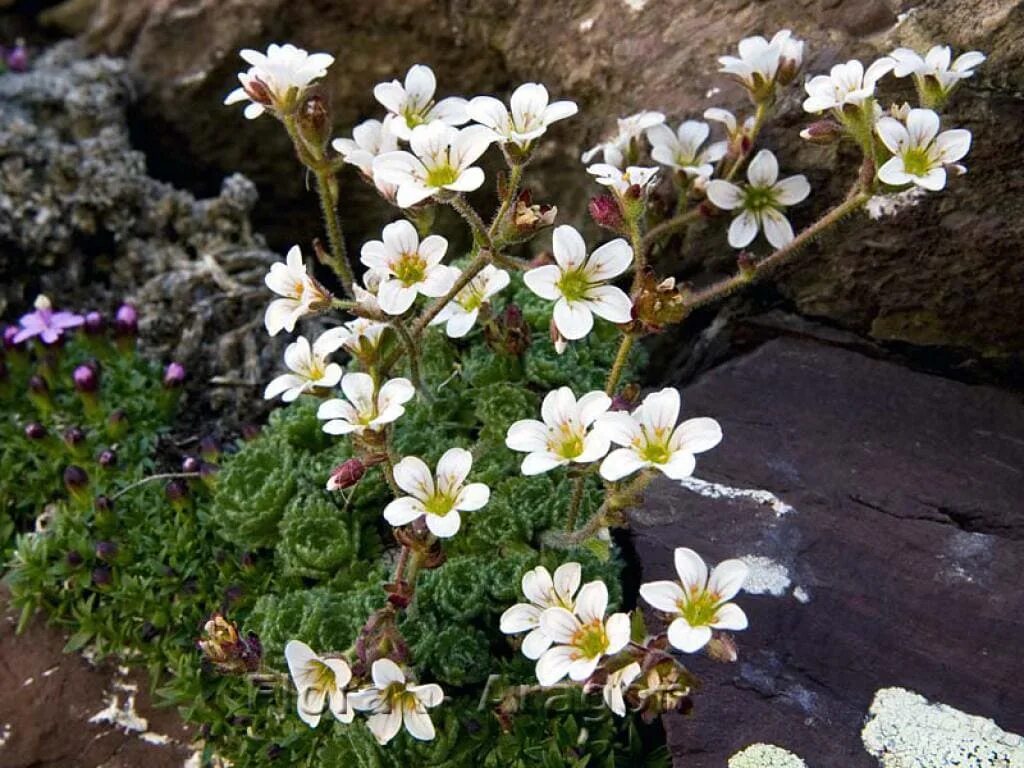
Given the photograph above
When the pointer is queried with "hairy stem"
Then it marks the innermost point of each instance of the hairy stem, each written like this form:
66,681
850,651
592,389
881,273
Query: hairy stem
668,227
619,365
616,503
472,218
574,503
515,176
472,270
412,353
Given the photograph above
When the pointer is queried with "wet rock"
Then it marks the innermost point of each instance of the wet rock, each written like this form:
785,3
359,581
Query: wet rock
943,272
880,512
81,220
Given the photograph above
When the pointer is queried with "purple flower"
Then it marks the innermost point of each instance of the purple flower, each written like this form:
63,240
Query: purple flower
86,378
10,332
126,321
17,58
95,323
174,375
45,323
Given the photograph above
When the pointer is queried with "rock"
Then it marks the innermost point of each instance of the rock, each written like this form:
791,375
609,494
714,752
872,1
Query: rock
81,220
880,511
905,730
943,272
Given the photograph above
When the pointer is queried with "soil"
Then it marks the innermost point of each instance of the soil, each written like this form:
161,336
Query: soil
58,710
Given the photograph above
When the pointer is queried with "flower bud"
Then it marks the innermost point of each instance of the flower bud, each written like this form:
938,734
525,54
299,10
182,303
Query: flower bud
95,324
346,474
37,386
315,121
75,479
209,448
74,438
126,321
822,132
10,332
73,558
107,458
35,431
606,212
176,492
102,576
226,650
103,512
86,379
528,218
174,375
191,464
258,91
722,648
106,551
509,334
17,58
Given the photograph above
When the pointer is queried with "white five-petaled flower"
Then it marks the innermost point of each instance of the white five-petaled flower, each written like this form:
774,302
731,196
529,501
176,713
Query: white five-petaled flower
682,149
622,181
461,312
530,116
364,407
761,202
566,434
393,701
760,60
442,158
617,684
407,267
616,150
650,438
845,84
698,602
580,638
369,139
920,152
277,78
413,103
319,680
439,500
362,337
732,128
300,293
938,64
543,592
578,283
308,365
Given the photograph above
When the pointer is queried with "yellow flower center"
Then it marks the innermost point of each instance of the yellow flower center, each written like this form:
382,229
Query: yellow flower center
410,269
442,175
591,640
916,161
566,440
573,284
653,446
439,504
700,607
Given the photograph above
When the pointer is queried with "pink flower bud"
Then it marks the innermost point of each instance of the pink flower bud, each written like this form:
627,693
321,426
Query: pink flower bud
86,378
346,474
174,375
605,211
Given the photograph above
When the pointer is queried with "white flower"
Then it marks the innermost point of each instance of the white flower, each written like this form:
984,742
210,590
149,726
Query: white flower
760,60
761,202
581,639
300,292
442,158
362,337
682,149
277,78
461,312
621,181
407,267
698,603
920,152
565,435
845,84
578,284
413,103
616,686
543,592
728,119
319,680
369,139
651,438
438,500
530,117
364,407
936,64
393,701
309,366
615,150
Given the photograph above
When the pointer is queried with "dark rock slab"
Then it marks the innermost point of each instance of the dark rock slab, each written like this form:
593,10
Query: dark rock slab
906,539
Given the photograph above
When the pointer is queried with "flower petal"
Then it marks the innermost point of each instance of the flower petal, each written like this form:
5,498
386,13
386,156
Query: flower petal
573,319
413,476
554,664
730,616
444,526
591,603
621,463
743,230
543,281
662,595
727,579
403,510
693,573
686,638
559,624
569,249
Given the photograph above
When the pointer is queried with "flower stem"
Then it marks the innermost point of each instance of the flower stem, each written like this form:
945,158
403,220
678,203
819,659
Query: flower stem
574,503
476,224
512,189
616,503
472,270
413,354
760,116
619,365
668,227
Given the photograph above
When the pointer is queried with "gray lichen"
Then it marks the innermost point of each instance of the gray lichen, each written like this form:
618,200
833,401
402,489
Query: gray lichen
905,730
765,756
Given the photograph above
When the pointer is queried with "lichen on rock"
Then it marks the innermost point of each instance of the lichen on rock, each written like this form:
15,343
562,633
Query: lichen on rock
905,730
765,756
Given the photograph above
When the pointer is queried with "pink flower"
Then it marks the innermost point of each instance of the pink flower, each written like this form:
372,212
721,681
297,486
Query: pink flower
45,323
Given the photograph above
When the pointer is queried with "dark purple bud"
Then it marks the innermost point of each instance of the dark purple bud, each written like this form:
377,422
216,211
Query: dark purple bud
103,504
176,491
606,212
233,594
10,332
126,321
74,558
108,458
174,375
209,448
102,576
106,551
17,58
74,437
250,432
37,385
248,560
95,324
274,751
191,464
35,431
86,378
75,478
346,474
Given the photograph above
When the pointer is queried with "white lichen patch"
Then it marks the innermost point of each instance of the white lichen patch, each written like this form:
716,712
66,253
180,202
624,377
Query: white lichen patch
766,576
121,714
880,206
718,491
905,730
51,670
635,5
765,756
5,733
801,595
28,681
712,92
151,737
586,25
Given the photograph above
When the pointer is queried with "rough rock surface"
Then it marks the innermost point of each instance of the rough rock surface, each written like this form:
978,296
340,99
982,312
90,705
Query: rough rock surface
81,220
886,537
944,272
